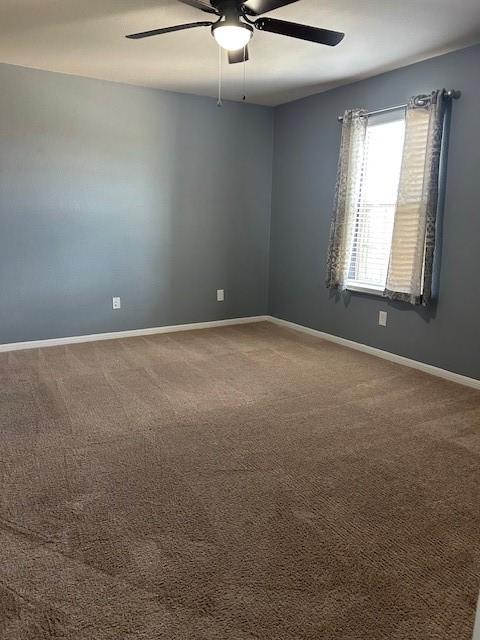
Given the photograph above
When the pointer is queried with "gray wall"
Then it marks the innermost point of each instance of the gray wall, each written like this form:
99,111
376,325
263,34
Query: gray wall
162,198
110,190
307,138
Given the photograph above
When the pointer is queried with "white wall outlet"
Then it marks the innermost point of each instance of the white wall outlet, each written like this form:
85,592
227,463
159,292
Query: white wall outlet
116,303
382,318
220,295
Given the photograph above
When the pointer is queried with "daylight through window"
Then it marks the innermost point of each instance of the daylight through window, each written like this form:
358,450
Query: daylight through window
379,175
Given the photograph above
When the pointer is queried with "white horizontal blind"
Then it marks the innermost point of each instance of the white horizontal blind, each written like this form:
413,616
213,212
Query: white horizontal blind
375,212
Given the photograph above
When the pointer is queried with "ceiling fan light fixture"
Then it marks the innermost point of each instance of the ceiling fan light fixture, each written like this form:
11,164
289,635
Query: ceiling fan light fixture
232,36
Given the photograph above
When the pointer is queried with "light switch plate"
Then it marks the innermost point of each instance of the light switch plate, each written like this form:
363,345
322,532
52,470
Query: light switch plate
116,303
220,295
382,318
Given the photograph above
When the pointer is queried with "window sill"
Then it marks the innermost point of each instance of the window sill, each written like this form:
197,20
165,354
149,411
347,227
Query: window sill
373,291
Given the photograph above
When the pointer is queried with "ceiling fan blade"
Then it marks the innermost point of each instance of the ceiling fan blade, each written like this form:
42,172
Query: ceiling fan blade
301,31
241,55
257,7
198,4
158,32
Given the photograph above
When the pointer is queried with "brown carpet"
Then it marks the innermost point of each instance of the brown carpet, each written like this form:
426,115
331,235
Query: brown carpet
240,483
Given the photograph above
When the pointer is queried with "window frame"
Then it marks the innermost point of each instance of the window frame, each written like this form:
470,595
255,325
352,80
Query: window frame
393,115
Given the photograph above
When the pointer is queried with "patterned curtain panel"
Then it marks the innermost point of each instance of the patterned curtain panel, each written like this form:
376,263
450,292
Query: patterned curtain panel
347,193
413,243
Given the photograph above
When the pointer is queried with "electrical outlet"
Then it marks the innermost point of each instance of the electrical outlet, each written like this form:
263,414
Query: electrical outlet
382,318
116,303
220,295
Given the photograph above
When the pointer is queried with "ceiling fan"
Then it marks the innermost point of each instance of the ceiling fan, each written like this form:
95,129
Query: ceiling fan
234,25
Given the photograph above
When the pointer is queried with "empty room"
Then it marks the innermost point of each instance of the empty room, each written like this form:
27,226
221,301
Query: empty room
239,320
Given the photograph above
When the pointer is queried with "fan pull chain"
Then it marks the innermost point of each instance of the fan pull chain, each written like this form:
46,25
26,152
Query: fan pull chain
244,74
219,101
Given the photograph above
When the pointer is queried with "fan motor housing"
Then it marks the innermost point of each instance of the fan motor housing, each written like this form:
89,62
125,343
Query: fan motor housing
228,7
231,21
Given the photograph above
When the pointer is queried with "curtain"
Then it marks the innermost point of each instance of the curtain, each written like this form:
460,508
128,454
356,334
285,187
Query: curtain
413,242
347,193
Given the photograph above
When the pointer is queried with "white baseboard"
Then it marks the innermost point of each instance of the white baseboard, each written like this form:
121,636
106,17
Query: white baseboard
476,630
55,342
386,355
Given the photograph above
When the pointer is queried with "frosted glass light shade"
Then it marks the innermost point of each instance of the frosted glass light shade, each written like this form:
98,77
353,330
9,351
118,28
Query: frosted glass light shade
232,37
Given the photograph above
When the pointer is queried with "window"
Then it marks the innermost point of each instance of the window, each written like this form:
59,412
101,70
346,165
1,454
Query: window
378,179
383,233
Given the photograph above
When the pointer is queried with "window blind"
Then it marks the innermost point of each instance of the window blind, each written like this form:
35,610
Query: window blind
379,175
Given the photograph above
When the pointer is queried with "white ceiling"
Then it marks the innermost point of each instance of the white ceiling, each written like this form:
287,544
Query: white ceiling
86,37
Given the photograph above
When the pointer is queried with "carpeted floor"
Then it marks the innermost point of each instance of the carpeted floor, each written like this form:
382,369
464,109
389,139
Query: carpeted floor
239,483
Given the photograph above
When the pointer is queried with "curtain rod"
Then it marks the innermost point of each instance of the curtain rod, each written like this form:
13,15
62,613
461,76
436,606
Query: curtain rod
452,93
